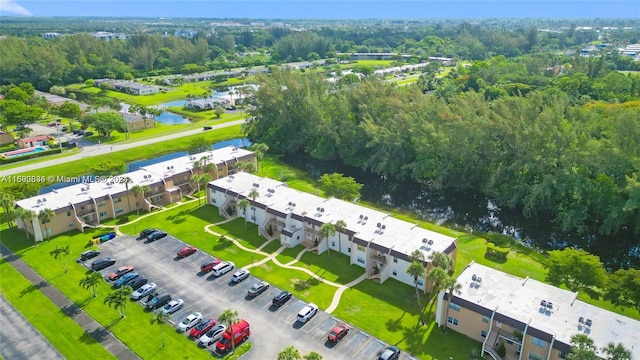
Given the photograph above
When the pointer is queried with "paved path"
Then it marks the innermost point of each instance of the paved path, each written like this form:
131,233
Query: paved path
98,149
102,335
19,339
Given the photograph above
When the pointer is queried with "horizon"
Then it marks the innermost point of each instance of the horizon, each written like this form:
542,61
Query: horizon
324,10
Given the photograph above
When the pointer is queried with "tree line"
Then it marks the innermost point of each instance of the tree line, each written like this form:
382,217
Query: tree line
538,152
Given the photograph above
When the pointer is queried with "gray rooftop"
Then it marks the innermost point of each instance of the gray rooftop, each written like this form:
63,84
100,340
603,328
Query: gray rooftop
521,299
401,236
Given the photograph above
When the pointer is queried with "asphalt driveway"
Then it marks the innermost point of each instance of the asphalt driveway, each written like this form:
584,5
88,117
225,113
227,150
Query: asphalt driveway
272,328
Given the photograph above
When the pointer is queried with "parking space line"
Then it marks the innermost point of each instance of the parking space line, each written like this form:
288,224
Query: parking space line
363,345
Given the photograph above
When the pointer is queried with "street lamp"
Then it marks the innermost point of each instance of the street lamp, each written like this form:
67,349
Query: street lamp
58,131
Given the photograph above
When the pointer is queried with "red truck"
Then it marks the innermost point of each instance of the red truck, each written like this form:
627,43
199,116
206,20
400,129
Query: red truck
240,332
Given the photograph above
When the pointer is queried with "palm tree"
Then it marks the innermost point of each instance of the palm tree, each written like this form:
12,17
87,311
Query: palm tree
6,201
248,166
27,217
160,318
327,230
203,180
91,281
582,348
61,252
195,180
417,256
119,299
209,167
453,287
244,204
417,271
340,225
253,194
289,353
45,216
260,149
128,181
137,190
441,260
437,276
312,356
617,352
229,317
197,165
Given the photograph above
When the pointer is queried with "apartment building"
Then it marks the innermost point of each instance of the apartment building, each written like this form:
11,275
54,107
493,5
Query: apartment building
534,320
90,201
372,239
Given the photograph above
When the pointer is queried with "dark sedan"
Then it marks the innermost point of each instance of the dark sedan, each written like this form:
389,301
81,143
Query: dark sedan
89,254
156,236
258,288
101,264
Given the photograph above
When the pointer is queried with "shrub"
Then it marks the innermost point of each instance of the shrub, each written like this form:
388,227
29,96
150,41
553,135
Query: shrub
497,239
497,252
502,351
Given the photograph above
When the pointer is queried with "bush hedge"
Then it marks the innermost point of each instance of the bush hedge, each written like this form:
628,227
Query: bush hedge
6,160
497,252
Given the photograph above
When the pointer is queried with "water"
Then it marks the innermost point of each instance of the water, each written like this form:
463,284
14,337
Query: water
166,117
475,212
13,154
136,165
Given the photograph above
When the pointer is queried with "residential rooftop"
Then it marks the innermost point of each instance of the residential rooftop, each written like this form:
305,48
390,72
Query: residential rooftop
547,308
367,225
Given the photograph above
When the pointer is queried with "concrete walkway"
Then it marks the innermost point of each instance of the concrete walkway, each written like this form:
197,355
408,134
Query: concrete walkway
90,326
99,149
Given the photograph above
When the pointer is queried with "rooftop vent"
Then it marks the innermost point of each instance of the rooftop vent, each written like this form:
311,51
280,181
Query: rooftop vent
383,227
430,242
192,157
581,320
361,217
321,209
424,241
588,322
366,218
474,277
256,185
290,203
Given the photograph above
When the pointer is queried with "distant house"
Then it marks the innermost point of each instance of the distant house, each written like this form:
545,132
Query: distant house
444,61
377,56
128,87
6,138
59,100
136,122
206,104
33,142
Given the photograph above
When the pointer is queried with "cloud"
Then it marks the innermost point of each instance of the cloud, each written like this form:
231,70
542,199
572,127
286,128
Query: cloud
10,7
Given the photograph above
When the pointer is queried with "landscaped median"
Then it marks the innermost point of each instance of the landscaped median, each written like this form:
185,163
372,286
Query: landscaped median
60,330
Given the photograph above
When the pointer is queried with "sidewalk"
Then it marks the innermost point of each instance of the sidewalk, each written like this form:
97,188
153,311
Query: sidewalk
102,335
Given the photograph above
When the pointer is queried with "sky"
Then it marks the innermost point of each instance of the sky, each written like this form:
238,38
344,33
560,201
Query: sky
328,9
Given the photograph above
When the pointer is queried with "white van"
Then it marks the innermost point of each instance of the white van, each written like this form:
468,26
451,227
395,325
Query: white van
222,268
307,313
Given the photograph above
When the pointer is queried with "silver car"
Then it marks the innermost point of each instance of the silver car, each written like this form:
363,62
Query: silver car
143,291
212,335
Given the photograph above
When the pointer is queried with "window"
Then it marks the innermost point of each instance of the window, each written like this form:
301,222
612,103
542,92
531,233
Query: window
395,260
117,200
562,355
538,342
453,321
82,207
394,272
360,259
68,212
420,282
101,203
349,250
533,356
333,243
119,210
70,224
483,334
485,319
453,306
103,214
360,248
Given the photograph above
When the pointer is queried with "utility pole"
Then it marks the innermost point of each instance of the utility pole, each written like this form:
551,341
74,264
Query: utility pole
58,131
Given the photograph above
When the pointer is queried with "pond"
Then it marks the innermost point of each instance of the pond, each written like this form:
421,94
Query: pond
476,212
165,117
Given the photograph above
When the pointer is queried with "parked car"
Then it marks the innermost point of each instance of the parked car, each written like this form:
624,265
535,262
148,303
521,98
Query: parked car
136,283
120,272
258,288
173,306
307,313
207,128
125,279
158,301
78,132
87,133
240,332
212,335
202,328
281,298
232,107
190,321
390,353
208,266
222,268
338,332
89,254
102,263
64,128
53,123
186,251
239,275
146,232
157,235
143,291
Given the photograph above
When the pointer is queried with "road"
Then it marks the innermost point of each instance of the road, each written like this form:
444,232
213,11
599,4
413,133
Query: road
19,339
101,149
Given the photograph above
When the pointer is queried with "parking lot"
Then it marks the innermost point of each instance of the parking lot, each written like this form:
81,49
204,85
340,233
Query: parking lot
272,328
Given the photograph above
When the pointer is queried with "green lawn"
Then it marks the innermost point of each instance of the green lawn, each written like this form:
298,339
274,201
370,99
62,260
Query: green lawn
371,63
289,254
83,166
61,331
335,267
134,330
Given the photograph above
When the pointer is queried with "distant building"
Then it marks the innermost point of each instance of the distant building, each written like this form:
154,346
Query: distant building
206,104
58,100
136,122
377,56
107,36
631,50
444,61
186,33
6,138
40,140
50,35
534,320
129,87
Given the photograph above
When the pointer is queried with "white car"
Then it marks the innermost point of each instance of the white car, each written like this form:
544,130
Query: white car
307,313
239,275
212,335
190,321
143,291
173,306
